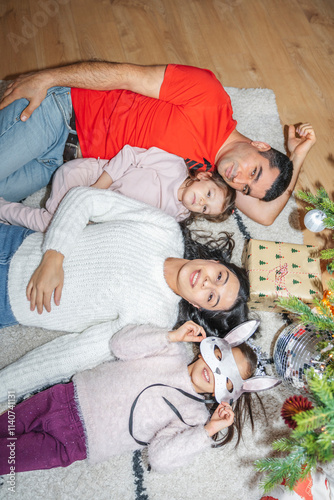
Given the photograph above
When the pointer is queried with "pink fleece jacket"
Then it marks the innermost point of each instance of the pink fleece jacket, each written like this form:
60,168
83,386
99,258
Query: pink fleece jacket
152,176
106,393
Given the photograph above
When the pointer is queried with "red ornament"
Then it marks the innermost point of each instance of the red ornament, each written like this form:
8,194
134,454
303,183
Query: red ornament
292,406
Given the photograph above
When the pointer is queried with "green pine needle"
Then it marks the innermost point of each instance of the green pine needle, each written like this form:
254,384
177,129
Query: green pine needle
328,253
320,321
322,202
283,444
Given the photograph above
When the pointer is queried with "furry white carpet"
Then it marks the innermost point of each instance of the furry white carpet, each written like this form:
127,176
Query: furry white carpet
223,473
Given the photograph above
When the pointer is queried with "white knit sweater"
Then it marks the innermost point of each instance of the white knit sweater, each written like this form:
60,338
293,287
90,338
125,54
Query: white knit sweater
113,277
107,392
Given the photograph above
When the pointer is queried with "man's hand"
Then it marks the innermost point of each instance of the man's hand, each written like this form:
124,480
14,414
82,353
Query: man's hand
300,141
300,145
48,277
188,332
32,86
223,417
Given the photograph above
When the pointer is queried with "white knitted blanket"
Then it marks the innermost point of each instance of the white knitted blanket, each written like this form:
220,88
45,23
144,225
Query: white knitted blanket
223,473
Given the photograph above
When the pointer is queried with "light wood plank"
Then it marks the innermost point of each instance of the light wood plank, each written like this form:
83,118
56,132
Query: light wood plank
17,32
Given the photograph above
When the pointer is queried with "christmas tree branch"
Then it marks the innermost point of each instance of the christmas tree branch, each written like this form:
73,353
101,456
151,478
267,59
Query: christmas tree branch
309,443
296,306
288,470
320,201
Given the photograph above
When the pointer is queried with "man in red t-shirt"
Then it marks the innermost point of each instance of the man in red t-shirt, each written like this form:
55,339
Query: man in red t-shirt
181,109
191,118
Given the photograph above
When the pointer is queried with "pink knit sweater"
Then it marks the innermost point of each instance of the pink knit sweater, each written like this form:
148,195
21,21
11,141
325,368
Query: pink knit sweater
106,393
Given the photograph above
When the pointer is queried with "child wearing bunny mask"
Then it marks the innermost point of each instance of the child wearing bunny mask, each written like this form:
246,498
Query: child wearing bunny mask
150,396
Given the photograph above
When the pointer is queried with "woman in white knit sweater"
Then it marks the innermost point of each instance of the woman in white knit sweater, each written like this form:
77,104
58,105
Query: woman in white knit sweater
130,269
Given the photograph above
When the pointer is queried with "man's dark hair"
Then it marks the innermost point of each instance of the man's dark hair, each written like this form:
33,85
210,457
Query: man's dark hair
281,161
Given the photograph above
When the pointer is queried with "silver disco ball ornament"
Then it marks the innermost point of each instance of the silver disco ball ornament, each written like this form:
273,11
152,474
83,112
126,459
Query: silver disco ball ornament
313,220
295,351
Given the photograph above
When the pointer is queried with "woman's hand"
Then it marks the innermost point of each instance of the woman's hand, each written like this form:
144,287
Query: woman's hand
48,277
223,417
188,332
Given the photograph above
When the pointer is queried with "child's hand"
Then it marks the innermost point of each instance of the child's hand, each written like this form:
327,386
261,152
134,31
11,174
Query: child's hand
103,182
223,417
188,332
48,277
300,146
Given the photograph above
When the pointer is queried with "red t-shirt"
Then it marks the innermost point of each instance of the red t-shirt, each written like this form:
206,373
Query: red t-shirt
192,117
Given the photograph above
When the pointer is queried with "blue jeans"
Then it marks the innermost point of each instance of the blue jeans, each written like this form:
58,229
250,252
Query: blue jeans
31,151
11,238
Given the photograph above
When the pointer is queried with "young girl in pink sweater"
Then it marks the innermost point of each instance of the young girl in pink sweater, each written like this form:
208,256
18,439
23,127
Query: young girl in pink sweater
150,175
150,396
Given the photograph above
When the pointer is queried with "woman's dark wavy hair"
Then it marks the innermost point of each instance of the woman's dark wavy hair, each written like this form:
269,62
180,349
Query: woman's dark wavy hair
242,407
217,323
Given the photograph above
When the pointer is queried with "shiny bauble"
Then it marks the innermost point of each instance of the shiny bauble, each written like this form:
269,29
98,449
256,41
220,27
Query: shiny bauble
313,220
295,352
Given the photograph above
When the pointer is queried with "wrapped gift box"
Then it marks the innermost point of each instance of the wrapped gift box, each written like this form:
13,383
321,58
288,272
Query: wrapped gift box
278,269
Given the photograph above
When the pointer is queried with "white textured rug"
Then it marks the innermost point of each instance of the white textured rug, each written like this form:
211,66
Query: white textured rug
224,473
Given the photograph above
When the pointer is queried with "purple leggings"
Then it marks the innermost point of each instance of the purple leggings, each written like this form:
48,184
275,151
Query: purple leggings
47,432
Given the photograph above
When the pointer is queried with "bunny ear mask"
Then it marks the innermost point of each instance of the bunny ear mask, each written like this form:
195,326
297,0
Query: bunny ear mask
257,384
242,332
217,354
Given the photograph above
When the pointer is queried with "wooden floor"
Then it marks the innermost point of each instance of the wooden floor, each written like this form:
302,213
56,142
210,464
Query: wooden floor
284,45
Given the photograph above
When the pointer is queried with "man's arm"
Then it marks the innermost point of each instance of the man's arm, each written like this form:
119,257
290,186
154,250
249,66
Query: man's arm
265,212
95,75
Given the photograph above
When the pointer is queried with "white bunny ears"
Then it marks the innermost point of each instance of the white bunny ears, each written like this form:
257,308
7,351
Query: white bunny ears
217,353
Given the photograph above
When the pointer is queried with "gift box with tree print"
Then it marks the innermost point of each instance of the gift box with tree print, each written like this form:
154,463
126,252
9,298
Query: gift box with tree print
278,269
